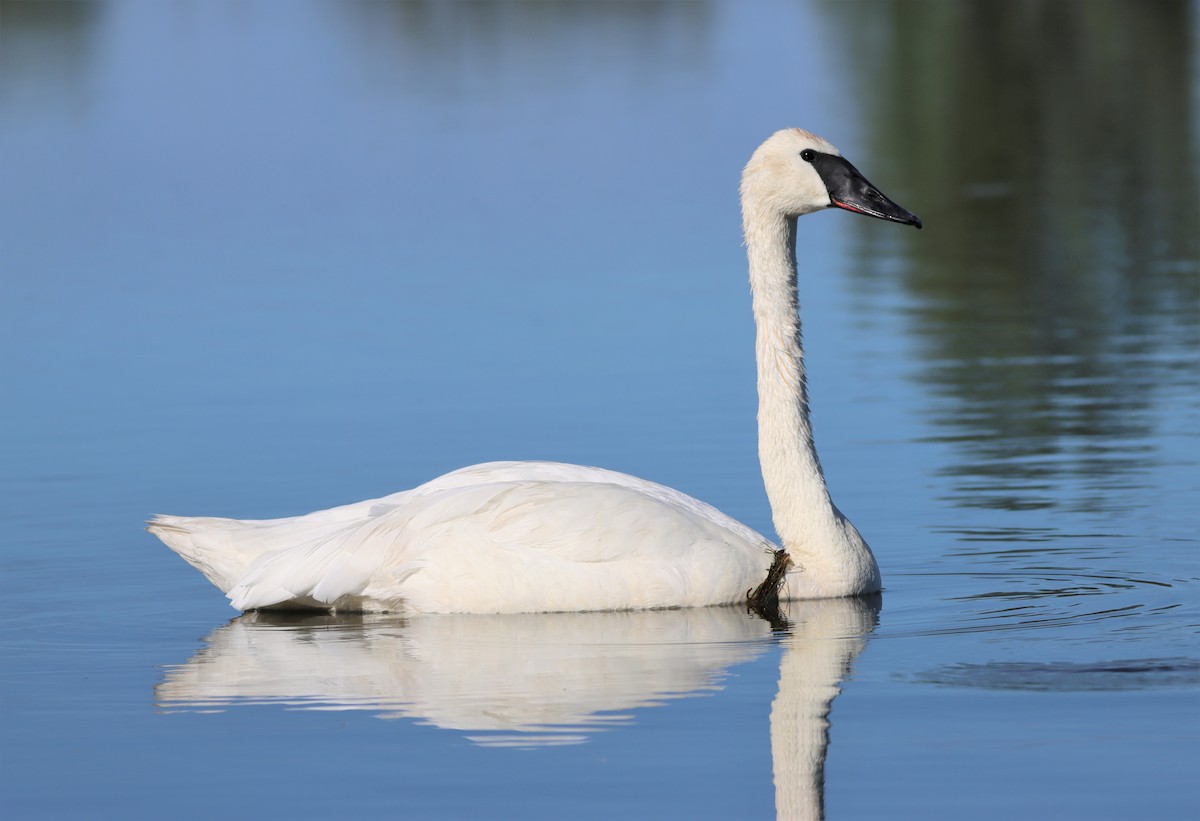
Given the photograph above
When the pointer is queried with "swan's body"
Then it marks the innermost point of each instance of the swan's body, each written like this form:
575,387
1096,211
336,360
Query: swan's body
512,537
505,537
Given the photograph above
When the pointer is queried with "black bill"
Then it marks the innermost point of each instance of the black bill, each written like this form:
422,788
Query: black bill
851,190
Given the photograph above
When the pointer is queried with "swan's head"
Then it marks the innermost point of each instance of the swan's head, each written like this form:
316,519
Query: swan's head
795,173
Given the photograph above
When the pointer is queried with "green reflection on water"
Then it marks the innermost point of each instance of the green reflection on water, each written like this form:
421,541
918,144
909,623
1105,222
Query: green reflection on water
1050,147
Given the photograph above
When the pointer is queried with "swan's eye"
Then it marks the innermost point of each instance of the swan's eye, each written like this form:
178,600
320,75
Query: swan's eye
807,155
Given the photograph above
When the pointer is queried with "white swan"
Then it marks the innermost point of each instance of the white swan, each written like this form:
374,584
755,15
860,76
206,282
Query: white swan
510,537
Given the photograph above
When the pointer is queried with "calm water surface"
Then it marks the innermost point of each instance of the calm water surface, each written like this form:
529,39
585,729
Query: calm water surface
267,257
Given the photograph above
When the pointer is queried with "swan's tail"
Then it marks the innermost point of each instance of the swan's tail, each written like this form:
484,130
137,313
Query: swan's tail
207,544
267,562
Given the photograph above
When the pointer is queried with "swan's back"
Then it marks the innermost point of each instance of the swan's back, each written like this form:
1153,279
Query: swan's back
501,537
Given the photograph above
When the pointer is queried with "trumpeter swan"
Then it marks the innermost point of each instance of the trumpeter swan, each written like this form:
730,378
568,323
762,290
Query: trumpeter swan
510,537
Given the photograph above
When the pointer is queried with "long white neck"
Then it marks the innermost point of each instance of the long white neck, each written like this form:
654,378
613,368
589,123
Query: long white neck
831,557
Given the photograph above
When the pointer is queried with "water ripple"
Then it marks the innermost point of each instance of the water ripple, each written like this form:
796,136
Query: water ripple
1089,605
1118,674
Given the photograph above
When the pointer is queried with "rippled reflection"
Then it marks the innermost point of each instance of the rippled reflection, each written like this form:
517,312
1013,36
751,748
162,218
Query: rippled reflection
46,50
437,49
1056,292
531,679
536,680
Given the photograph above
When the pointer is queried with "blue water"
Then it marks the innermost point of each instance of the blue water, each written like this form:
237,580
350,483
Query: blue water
267,257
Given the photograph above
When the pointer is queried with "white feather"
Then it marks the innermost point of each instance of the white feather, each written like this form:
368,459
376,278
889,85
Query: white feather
509,537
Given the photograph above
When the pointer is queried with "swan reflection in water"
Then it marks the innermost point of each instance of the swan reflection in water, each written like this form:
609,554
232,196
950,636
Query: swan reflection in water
537,679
